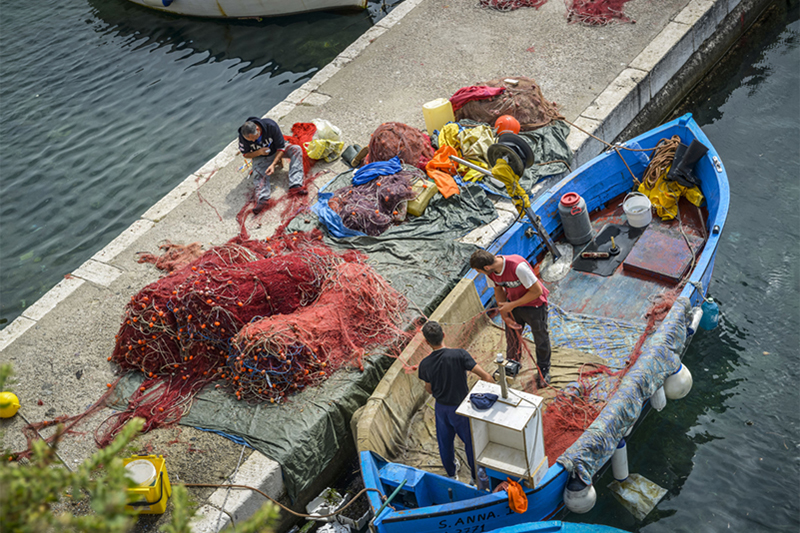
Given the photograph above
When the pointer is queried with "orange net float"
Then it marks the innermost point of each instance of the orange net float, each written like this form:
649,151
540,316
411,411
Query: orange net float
506,124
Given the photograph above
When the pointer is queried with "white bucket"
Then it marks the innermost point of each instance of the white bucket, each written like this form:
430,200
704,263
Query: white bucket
638,209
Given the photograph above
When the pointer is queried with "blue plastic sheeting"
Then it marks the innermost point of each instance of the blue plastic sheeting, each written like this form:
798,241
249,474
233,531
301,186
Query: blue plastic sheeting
331,219
377,169
611,340
234,438
659,359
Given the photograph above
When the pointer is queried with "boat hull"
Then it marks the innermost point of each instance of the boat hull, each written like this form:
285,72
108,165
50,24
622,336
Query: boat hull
247,8
599,182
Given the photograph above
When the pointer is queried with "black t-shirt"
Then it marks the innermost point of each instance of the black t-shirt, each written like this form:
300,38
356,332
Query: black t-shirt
270,136
446,370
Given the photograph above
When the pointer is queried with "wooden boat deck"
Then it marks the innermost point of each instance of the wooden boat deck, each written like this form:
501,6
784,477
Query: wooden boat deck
627,295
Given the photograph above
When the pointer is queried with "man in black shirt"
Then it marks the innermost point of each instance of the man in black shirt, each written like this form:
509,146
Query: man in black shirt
261,140
444,372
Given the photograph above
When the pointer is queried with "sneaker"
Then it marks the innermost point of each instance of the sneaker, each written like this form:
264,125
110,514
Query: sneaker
298,190
543,381
260,206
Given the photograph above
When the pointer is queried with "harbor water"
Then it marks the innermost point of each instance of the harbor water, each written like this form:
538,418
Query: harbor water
106,106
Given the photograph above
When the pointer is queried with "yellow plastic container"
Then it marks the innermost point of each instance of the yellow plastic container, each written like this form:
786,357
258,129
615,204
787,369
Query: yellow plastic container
424,190
437,113
153,489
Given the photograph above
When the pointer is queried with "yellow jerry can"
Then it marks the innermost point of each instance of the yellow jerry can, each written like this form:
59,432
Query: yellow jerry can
424,190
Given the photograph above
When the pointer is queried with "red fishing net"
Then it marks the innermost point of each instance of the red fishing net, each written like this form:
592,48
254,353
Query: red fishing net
318,310
589,12
374,206
596,12
390,139
281,354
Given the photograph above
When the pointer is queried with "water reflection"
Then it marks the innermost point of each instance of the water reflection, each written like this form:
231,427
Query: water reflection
298,43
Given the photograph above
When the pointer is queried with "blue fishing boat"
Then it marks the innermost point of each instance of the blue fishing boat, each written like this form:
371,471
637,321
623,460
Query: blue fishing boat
622,313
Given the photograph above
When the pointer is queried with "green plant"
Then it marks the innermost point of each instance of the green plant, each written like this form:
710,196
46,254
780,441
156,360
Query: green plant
28,491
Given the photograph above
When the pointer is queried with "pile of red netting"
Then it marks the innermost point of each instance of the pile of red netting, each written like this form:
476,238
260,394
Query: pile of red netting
391,139
596,12
589,12
280,354
267,318
374,206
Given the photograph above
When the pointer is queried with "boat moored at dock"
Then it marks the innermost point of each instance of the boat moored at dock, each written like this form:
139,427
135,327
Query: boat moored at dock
621,317
248,8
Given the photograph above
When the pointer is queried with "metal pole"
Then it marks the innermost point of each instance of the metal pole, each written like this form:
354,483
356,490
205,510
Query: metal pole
501,368
534,218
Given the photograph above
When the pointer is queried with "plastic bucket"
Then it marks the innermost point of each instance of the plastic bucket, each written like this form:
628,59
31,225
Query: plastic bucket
638,209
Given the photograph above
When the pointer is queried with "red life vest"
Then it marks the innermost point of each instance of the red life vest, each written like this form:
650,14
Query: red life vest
514,288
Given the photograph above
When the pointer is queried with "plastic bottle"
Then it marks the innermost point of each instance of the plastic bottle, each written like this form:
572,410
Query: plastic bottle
483,479
710,314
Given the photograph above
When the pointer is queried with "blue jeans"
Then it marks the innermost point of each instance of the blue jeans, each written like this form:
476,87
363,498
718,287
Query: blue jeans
448,425
262,163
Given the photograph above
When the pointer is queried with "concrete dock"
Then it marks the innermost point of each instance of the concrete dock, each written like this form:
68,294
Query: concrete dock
609,81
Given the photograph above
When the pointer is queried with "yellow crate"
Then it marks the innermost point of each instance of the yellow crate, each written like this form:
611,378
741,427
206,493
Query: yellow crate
150,499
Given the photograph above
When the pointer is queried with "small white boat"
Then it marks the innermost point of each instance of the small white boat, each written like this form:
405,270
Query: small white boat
247,8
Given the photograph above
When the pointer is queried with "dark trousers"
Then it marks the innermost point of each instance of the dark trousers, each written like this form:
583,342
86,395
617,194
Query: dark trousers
448,425
536,318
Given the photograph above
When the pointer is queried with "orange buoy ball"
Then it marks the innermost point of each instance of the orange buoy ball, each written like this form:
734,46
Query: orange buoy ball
506,124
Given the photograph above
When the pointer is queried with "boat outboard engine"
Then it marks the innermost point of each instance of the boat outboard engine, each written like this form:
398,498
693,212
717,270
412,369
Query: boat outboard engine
578,496
678,384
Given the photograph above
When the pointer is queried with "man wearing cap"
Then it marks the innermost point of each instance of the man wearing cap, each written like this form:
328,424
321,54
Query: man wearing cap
444,372
521,299
261,140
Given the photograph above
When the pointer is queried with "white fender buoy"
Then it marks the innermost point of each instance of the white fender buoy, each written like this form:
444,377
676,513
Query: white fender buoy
678,384
579,497
694,323
658,400
619,462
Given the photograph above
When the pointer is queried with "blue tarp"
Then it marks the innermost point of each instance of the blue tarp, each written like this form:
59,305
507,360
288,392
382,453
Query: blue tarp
659,359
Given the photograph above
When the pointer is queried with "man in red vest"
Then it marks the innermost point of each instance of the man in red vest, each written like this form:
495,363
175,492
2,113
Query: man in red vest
521,299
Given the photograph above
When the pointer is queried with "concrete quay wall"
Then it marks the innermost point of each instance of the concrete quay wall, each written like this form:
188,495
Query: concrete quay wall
608,81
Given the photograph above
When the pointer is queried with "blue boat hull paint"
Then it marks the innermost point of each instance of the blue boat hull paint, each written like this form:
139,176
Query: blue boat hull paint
598,182
555,526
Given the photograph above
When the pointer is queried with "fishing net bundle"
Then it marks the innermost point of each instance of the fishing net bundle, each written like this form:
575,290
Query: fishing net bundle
391,139
179,331
596,12
376,205
588,12
524,101
280,354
